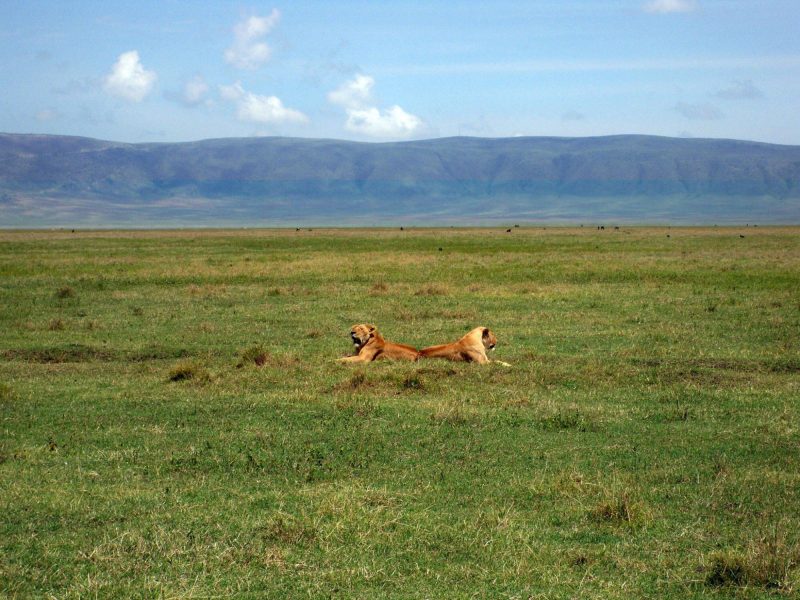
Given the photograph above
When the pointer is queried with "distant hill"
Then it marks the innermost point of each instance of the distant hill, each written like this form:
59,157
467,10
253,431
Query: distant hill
69,181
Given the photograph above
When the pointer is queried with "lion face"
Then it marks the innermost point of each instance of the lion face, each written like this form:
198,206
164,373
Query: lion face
361,334
488,339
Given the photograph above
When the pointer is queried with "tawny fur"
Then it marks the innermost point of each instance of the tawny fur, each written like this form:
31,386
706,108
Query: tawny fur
370,345
470,348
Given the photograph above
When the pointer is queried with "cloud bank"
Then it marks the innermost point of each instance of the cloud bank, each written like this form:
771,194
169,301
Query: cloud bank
128,79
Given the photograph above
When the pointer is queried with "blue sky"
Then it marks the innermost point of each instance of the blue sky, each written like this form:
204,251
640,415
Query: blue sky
390,70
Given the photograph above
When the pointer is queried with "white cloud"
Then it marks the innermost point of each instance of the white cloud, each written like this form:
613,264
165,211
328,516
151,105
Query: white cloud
258,108
740,90
355,93
129,79
392,122
233,92
194,91
699,112
268,109
249,50
669,6
355,96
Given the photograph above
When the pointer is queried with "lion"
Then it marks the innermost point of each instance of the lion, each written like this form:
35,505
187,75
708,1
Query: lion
370,345
470,348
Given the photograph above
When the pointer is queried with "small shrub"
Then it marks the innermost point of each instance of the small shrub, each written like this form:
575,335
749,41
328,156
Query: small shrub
189,371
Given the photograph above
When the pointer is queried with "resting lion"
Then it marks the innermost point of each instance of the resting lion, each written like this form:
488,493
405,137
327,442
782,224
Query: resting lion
370,345
470,348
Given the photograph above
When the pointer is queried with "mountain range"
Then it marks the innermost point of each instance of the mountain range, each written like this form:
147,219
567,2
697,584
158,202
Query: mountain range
61,181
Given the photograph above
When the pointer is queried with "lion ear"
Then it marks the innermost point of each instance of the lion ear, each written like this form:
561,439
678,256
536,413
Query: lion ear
485,332
371,328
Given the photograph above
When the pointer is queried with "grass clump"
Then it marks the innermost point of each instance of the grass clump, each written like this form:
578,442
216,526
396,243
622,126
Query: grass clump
432,290
618,505
65,292
56,325
567,419
189,370
255,355
7,394
768,562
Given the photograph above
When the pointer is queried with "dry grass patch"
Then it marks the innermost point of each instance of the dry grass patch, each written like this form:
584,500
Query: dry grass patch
433,289
289,530
378,289
452,413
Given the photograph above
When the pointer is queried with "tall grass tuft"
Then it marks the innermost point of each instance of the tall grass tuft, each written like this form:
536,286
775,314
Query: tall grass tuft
189,370
256,355
769,562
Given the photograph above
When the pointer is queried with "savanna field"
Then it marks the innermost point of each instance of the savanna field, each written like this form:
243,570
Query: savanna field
173,421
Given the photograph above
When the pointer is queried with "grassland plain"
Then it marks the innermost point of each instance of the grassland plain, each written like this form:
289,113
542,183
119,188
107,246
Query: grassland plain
174,423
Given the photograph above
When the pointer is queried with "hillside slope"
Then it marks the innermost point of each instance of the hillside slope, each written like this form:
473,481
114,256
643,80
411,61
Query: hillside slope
56,180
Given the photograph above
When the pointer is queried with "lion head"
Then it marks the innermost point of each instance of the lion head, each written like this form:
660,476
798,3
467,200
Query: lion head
361,334
488,338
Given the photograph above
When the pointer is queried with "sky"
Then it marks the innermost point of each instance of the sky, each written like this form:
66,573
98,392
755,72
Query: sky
387,70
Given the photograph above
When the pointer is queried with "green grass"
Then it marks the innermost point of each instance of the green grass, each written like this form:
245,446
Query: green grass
173,422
